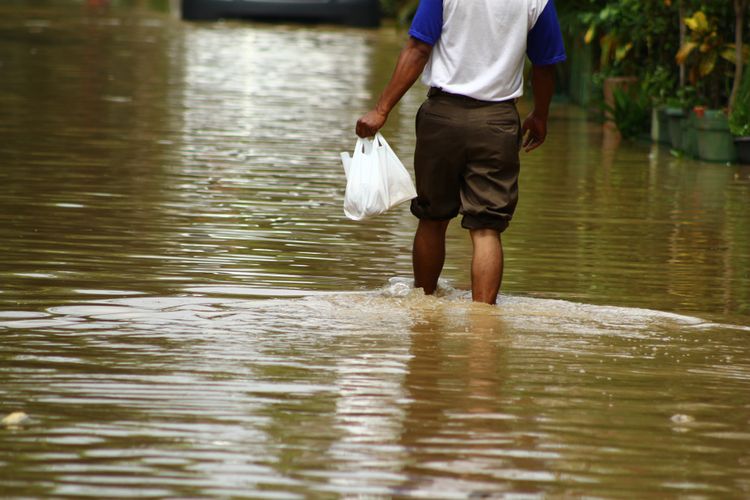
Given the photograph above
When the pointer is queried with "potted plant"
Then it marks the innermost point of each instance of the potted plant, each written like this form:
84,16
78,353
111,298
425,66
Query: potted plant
714,140
677,118
742,145
623,36
675,115
657,85
690,135
708,53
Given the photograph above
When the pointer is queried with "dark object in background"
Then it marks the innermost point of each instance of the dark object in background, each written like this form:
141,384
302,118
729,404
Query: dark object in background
365,13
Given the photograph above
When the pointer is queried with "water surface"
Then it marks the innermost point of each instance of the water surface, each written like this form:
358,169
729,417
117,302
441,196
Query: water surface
186,312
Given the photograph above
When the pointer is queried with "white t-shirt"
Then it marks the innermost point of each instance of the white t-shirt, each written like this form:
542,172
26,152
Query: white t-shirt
479,46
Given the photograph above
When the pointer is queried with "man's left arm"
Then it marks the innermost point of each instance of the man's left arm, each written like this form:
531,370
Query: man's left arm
543,87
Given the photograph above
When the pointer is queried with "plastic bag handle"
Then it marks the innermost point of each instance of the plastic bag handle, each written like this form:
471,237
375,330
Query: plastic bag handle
363,146
379,137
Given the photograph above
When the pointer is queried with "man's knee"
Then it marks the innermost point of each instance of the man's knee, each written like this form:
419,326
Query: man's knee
438,225
481,234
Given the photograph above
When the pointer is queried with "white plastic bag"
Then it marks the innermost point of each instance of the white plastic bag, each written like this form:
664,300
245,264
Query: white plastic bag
376,180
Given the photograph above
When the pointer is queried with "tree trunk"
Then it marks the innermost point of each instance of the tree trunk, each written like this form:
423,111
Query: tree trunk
739,21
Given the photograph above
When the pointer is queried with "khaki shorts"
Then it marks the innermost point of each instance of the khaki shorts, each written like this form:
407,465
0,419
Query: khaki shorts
466,160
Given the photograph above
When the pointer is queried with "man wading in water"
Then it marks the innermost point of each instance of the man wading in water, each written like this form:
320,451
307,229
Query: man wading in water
471,55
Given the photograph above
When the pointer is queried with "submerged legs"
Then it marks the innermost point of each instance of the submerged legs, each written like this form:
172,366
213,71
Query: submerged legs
428,256
428,253
486,265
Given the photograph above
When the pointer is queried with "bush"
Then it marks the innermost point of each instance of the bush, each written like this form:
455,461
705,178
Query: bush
739,120
402,10
631,112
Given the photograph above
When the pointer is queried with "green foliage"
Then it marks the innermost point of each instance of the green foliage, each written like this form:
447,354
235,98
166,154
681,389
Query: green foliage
739,120
406,11
631,111
628,33
388,8
402,10
641,38
659,83
629,37
685,98
709,57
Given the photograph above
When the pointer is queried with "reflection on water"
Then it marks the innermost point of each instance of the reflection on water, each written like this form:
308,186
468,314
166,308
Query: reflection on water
385,392
185,311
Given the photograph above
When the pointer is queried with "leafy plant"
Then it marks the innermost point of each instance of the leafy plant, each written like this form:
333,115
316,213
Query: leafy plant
704,36
631,111
739,120
704,51
659,84
402,10
608,24
739,123
686,97
406,11
632,35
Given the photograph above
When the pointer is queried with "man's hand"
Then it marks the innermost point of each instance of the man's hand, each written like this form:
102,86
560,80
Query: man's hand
370,123
534,129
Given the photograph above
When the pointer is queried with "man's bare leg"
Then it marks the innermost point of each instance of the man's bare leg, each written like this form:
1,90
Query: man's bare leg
486,265
428,253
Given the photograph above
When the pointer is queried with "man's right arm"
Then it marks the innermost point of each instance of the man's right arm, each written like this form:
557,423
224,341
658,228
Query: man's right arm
410,64
424,33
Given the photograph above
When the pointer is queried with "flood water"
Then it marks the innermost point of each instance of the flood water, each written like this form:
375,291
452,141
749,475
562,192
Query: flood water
186,312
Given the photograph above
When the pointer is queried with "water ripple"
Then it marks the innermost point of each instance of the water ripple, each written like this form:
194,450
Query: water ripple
186,312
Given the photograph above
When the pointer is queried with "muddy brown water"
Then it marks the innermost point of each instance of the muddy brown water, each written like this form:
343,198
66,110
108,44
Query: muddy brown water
185,311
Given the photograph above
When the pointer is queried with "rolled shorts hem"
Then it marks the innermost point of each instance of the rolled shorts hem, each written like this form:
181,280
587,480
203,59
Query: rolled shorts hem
471,222
419,213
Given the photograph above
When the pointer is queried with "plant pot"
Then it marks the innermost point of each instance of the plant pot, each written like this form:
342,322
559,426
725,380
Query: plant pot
689,141
742,145
660,125
715,142
675,117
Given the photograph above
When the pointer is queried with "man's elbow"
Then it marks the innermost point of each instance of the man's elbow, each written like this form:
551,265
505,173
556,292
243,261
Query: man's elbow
544,72
420,49
544,68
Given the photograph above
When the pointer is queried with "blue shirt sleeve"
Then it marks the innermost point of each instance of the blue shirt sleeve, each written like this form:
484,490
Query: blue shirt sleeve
544,43
428,21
